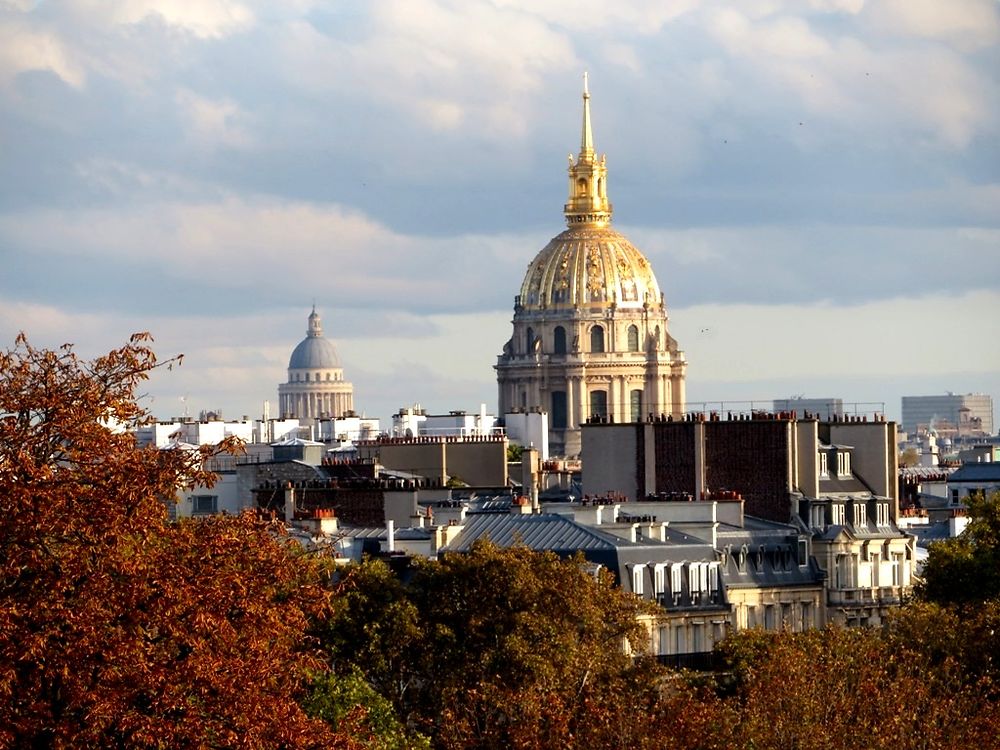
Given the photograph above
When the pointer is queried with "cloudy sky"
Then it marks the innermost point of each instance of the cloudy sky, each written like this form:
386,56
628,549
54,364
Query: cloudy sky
816,183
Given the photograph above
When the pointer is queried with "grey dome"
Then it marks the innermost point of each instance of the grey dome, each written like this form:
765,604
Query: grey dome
314,352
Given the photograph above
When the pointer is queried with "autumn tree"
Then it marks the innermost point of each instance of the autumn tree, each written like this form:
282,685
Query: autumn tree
505,647
118,628
859,687
966,570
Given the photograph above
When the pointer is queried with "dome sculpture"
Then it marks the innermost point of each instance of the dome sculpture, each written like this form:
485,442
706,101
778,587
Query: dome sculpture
590,336
316,387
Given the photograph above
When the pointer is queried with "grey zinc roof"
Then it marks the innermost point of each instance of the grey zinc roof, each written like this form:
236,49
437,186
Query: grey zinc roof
834,484
539,532
986,471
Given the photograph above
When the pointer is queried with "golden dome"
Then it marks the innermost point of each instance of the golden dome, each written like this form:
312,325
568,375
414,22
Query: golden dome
589,265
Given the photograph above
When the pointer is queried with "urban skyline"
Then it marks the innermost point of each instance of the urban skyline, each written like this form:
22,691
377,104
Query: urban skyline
810,182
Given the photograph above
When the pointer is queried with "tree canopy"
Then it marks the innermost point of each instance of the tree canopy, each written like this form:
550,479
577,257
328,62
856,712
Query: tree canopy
117,628
121,629
966,570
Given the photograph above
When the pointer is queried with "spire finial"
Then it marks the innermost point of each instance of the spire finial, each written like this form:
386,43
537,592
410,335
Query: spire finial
588,197
587,138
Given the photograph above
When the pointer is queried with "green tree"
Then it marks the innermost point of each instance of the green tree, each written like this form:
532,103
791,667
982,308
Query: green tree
966,570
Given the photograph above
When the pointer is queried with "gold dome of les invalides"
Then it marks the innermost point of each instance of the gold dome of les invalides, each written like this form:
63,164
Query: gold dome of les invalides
589,264
590,335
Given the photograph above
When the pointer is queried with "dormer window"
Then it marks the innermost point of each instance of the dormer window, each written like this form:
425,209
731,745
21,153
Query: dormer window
843,464
659,578
837,511
637,573
823,470
860,519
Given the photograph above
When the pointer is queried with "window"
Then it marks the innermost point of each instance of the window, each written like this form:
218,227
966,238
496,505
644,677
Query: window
635,404
803,552
837,510
598,403
529,341
307,377
883,514
823,470
204,504
860,519
597,339
843,463
637,572
581,187
633,338
818,517
559,340
659,579
328,376
558,410
676,583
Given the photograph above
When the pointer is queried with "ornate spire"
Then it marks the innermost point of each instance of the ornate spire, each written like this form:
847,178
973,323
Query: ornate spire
587,137
588,198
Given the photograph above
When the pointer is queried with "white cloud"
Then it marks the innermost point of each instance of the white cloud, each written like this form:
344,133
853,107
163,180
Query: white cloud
213,122
925,90
23,48
446,64
935,334
633,16
969,24
204,19
295,246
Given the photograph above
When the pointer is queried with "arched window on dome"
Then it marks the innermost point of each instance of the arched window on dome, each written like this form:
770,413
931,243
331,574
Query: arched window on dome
597,339
581,188
600,187
633,338
559,340
317,377
328,376
529,341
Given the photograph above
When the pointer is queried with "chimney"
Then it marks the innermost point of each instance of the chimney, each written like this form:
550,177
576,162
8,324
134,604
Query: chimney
289,503
390,528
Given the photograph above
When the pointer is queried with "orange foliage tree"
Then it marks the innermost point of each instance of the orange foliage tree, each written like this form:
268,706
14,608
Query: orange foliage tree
118,628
